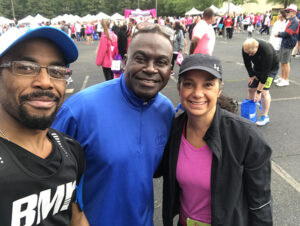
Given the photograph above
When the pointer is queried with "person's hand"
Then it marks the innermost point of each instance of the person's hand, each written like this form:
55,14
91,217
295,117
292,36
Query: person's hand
276,34
251,79
257,97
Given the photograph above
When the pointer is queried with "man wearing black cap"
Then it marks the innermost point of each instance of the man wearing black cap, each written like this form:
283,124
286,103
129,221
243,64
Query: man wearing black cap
39,167
216,164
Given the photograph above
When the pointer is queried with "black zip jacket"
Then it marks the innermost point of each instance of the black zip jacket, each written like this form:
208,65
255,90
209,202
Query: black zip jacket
240,174
263,62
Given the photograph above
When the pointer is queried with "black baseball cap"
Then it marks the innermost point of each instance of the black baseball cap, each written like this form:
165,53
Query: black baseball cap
203,62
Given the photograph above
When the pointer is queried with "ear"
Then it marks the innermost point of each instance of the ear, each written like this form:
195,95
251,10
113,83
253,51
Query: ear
221,89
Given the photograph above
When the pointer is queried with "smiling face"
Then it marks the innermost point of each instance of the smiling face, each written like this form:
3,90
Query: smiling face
199,92
148,64
32,100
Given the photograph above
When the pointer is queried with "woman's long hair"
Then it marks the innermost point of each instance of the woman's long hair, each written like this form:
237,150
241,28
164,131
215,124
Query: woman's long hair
105,25
122,41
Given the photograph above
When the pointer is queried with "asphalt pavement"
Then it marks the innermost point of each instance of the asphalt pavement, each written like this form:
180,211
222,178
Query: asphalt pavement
283,133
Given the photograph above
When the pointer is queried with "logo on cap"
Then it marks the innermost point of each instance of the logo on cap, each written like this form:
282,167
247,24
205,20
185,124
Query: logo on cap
217,68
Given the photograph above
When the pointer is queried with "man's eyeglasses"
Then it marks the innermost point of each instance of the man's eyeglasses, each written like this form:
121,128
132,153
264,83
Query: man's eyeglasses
27,68
147,26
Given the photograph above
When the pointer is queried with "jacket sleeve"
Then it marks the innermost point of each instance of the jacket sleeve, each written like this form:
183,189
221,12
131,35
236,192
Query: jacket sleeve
101,50
290,29
248,64
267,57
181,44
258,179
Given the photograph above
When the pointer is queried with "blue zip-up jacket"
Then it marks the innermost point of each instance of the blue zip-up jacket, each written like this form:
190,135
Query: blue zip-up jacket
290,35
123,139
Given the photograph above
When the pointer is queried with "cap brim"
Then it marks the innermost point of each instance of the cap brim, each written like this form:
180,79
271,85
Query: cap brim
60,38
209,70
291,10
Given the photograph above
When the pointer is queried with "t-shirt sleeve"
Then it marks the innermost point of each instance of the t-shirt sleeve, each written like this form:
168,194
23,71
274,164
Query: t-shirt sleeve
198,32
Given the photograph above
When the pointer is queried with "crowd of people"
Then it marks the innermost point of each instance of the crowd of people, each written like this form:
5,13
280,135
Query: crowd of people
91,159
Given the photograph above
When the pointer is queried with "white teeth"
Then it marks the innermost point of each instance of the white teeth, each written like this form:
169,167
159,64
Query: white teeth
199,103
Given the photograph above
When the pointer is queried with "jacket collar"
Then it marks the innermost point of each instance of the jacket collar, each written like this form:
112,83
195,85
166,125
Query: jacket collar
213,136
131,98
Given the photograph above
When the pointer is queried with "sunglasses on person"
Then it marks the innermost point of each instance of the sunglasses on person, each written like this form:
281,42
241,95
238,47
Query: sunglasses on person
287,11
147,26
27,68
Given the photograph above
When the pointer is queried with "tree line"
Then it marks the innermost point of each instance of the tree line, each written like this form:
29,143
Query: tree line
53,8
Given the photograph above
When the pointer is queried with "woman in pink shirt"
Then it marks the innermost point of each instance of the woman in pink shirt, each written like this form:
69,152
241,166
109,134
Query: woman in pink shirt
216,164
108,42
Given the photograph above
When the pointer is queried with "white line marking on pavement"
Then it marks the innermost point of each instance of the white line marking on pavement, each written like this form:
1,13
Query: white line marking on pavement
287,98
294,82
284,175
282,99
238,63
85,82
69,90
173,78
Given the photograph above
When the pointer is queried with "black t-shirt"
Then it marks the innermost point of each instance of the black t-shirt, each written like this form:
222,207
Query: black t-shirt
36,191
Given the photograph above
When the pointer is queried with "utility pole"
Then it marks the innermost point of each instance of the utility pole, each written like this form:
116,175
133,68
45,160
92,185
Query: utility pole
156,8
13,10
228,10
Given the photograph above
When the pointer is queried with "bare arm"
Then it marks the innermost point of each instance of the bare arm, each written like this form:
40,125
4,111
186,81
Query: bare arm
78,217
194,44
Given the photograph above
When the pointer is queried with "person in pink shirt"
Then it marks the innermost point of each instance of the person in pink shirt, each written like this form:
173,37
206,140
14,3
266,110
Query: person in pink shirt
108,42
204,38
216,164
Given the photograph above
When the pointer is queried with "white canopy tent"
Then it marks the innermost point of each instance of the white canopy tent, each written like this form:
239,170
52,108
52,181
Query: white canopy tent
39,19
117,16
193,11
88,18
27,20
232,8
101,16
215,9
5,21
68,18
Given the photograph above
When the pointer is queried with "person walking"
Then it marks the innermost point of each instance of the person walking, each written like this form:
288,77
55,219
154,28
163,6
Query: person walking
216,164
228,27
178,44
108,41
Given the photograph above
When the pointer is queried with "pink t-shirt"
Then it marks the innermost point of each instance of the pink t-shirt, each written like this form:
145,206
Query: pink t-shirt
193,174
207,38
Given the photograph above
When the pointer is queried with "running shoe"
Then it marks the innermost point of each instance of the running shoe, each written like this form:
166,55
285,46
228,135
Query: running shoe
283,82
172,73
277,79
264,120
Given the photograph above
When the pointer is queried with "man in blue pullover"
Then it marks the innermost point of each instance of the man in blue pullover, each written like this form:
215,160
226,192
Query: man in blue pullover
289,41
123,126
